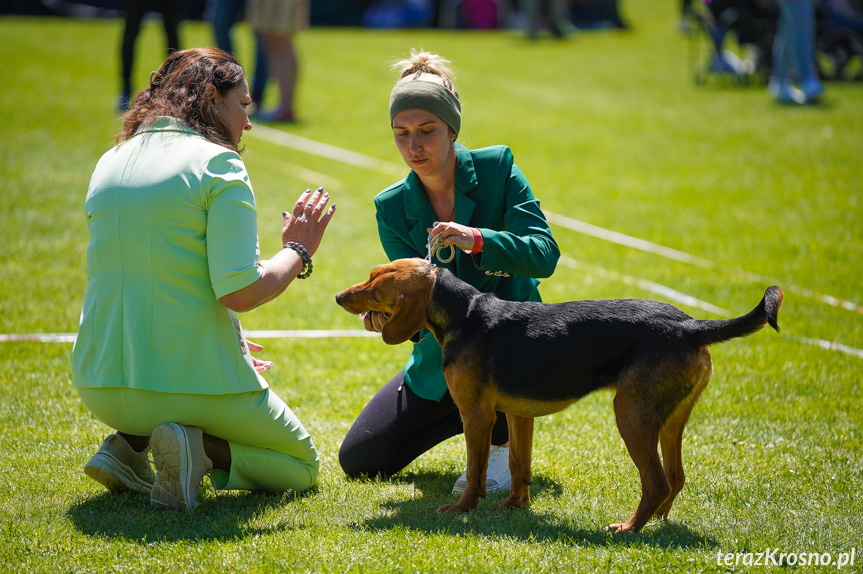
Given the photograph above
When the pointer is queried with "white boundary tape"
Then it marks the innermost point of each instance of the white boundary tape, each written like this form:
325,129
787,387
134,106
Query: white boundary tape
321,149
328,151
831,346
300,173
353,333
262,334
626,240
39,337
668,252
309,334
667,292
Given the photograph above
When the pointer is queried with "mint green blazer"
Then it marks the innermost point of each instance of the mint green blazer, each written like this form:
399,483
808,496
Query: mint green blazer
173,227
492,195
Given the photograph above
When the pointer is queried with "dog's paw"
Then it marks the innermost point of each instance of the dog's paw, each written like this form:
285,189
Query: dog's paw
457,507
447,508
514,502
620,528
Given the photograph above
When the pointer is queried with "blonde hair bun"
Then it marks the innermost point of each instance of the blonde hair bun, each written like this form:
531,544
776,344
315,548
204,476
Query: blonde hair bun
422,62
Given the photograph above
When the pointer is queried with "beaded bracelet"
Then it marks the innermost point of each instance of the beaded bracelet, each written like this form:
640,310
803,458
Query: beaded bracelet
307,259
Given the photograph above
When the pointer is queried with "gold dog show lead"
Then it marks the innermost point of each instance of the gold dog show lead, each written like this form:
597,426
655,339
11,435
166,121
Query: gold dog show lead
435,246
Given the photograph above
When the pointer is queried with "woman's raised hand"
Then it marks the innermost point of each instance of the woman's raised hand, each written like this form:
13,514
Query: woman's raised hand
308,220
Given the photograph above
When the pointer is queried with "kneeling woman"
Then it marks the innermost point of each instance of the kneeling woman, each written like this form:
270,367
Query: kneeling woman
173,256
479,203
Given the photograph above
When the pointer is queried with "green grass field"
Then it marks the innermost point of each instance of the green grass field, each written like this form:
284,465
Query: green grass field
610,130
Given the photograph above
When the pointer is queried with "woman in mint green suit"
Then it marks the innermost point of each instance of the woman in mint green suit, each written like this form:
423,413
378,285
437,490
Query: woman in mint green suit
173,256
480,204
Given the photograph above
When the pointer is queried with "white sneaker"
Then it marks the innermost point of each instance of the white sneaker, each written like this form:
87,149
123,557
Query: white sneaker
497,477
120,468
181,464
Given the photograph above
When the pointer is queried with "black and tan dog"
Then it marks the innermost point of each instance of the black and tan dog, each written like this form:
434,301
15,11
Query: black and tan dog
532,359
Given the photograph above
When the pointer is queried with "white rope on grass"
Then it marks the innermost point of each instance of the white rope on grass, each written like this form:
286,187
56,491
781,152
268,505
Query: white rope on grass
259,334
361,160
325,150
669,253
328,151
650,286
831,346
685,299
321,334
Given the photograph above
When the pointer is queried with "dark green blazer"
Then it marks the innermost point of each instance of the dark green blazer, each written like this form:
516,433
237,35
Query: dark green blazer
492,195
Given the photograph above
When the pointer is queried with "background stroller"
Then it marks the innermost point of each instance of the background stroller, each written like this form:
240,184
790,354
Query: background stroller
753,24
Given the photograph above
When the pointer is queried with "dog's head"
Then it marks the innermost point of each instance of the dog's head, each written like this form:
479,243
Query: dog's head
400,290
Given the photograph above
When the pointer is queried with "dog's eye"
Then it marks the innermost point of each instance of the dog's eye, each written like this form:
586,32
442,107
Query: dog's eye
373,296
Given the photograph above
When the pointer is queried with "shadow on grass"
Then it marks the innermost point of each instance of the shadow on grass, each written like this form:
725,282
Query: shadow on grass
128,516
528,525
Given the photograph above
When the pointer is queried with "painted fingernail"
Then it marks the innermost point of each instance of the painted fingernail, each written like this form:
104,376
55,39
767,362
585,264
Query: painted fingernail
320,189
308,191
285,214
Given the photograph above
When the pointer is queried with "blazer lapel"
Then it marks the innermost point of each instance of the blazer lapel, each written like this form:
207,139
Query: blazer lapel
419,212
465,184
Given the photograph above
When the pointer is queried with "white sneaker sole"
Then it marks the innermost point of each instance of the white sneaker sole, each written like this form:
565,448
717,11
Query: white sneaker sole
174,488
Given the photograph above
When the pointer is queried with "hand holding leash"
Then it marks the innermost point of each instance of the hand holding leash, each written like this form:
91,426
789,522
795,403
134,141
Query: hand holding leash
454,234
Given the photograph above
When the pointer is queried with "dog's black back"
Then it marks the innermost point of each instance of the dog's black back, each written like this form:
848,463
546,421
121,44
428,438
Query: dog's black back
564,351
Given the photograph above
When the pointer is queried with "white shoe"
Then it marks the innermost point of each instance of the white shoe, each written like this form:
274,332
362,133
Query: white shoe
784,93
181,464
497,477
120,468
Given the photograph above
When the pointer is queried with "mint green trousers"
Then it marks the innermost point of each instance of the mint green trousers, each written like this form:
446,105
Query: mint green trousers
270,449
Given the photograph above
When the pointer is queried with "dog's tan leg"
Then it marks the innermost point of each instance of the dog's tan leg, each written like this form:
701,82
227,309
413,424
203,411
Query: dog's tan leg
641,441
478,424
671,440
671,434
520,446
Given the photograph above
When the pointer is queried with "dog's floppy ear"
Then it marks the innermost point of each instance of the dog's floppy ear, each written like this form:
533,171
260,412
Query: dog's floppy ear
408,317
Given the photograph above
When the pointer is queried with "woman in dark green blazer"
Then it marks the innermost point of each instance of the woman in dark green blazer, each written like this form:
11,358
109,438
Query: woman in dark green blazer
479,203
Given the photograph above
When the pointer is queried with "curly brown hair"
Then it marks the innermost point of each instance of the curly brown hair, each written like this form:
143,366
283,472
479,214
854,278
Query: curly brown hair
177,90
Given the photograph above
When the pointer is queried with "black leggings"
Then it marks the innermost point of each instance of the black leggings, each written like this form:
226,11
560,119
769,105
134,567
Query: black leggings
398,426
135,10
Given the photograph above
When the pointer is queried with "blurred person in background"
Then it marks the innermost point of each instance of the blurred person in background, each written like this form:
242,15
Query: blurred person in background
596,15
685,24
794,55
223,14
741,17
545,14
173,256
480,205
135,10
277,21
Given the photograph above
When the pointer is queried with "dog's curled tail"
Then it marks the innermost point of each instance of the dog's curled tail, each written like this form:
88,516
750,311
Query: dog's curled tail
707,332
